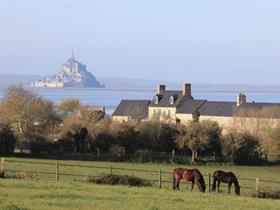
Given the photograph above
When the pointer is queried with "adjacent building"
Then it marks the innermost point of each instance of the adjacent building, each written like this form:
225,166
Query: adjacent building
178,106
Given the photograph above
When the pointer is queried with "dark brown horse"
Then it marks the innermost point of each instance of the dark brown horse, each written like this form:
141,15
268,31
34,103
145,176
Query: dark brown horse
192,175
225,177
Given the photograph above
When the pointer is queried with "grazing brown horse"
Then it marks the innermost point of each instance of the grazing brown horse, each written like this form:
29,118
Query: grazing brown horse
192,175
225,177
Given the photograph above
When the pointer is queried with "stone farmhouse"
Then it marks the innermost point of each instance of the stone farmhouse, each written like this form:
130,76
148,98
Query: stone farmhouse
178,106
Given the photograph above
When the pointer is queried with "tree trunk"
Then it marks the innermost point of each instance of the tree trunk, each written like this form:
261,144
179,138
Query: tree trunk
196,155
20,126
193,156
98,153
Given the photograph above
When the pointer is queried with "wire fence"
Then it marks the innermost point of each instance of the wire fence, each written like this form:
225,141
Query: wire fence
57,171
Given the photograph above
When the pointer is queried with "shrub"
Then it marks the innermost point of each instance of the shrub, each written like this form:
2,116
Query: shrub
119,180
7,140
24,175
266,194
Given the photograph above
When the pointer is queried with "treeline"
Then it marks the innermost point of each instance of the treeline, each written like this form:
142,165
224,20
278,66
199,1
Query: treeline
30,122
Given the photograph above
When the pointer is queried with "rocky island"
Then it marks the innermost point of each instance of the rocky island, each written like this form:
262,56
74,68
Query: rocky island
71,74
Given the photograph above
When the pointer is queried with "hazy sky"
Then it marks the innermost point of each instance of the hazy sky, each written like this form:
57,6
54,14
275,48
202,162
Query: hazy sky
197,41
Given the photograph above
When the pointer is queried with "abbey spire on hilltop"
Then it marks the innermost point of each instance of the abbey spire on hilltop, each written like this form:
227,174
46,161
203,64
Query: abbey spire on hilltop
71,74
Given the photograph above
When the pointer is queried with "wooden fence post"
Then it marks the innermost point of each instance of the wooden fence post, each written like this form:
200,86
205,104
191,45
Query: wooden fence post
257,185
209,182
2,163
56,171
173,154
159,181
111,170
2,169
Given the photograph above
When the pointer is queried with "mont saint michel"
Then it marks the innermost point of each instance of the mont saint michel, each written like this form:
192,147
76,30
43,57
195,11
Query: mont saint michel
72,74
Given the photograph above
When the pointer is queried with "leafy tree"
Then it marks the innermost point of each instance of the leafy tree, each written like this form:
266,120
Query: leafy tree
227,146
101,137
195,116
214,134
73,134
125,136
28,114
192,137
7,139
69,106
167,137
243,148
148,137
274,146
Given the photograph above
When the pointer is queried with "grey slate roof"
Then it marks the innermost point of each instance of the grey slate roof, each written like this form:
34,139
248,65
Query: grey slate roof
132,108
254,105
218,108
165,100
229,109
188,106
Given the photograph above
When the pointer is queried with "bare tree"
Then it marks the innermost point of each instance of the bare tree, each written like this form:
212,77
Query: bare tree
259,123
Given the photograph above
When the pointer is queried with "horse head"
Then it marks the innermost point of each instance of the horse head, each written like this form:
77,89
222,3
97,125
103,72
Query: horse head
237,189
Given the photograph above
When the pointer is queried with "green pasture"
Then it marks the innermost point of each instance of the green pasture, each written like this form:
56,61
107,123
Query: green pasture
31,194
44,170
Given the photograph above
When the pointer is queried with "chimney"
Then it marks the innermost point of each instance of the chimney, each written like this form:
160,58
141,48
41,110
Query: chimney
187,90
103,109
160,89
241,99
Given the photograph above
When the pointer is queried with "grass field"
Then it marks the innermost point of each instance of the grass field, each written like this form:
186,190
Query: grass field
22,194
71,192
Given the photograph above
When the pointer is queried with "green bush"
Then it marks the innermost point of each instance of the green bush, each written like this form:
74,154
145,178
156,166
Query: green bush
266,194
119,180
242,148
7,139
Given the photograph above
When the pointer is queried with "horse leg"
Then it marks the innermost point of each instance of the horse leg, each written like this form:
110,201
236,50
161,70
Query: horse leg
192,186
177,184
214,185
229,186
218,186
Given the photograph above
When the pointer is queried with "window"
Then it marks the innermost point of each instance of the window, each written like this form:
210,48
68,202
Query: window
156,100
171,100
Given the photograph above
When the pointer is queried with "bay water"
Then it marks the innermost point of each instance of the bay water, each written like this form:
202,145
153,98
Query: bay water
111,97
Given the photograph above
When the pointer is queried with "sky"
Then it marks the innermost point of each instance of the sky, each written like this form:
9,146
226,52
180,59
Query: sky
198,41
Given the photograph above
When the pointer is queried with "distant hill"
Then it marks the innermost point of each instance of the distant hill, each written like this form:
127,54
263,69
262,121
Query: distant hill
71,74
17,79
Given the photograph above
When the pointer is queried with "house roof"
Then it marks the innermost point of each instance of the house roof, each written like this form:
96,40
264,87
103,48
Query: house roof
229,109
132,108
188,106
165,98
218,108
